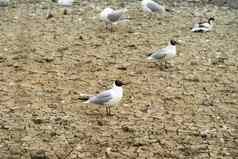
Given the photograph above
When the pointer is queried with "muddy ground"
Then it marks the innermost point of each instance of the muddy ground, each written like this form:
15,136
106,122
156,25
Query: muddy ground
188,110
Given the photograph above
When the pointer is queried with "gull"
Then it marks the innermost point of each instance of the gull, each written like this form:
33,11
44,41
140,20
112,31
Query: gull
150,6
4,3
164,53
203,26
111,16
65,2
109,97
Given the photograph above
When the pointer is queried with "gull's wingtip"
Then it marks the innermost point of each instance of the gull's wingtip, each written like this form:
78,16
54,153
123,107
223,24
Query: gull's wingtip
149,54
84,98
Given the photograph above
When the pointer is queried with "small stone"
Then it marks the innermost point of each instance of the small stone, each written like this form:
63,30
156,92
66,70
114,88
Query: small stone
40,154
123,68
108,151
100,123
37,121
127,129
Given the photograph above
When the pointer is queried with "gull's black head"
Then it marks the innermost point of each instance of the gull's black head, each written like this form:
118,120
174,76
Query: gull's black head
211,19
119,83
173,42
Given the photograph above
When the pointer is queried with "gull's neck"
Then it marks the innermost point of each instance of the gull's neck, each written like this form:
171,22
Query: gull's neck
171,46
211,23
116,87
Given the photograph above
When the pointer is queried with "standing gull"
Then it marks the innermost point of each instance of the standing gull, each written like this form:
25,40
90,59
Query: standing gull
164,53
4,3
203,26
64,3
111,16
109,97
150,6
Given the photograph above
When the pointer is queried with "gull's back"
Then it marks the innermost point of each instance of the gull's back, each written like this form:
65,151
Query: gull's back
102,98
114,16
151,6
105,12
154,7
160,54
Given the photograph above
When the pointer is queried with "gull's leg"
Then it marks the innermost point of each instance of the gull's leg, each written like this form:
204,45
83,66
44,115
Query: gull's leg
148,16
151,16
162,65
72,14
106,25
111,29
107,110
65,12
167,64
109,26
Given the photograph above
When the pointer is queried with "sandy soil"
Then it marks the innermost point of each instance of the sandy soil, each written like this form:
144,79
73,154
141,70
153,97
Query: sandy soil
188,110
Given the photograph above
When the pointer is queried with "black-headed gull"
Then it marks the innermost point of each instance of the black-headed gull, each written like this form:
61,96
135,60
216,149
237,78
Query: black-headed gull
111,16
164,53
150,6
203,26
109,97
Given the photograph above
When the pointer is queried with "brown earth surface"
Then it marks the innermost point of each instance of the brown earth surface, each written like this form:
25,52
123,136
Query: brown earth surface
188,110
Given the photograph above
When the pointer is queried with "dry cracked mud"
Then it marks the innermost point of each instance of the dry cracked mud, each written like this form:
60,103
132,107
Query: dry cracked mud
188,110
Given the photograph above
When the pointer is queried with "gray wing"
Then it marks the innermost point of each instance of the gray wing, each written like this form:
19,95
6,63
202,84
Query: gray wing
160,54
113,17
101,98
153,7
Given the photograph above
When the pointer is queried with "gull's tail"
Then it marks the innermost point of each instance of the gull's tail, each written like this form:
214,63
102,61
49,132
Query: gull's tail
84,98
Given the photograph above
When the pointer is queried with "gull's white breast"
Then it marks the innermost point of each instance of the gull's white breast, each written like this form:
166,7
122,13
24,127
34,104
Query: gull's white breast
117,93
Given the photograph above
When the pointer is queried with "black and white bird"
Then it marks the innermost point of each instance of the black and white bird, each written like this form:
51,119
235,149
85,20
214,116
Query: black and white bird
164,53
203,26
109,97
111,16
150,6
